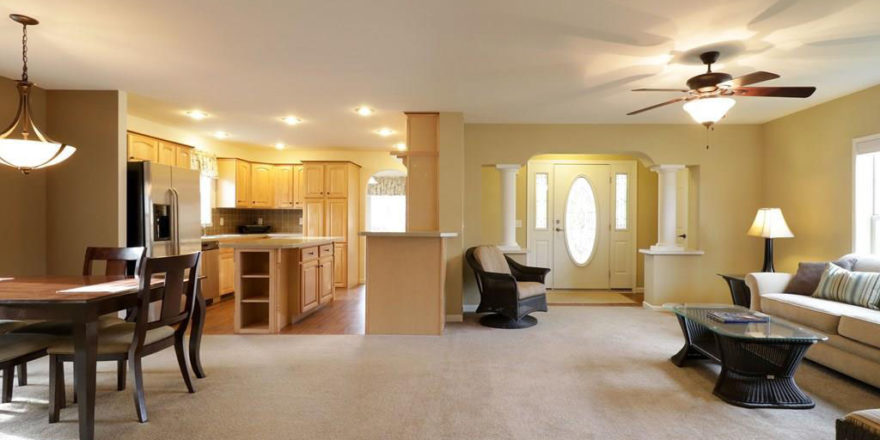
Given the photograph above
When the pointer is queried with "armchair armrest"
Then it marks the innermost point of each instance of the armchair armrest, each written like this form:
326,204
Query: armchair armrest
760,283
527,273
497,283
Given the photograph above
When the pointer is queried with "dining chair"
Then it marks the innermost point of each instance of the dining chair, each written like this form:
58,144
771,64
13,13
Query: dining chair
131,341
15,351
119,261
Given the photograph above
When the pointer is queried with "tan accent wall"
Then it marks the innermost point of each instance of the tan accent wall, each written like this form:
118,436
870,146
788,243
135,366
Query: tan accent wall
808,173
730,179
490,197
85,194
22,198
371,161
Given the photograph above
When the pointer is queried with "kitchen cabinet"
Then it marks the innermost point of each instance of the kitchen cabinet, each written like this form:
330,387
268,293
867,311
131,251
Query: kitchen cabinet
142,147
167,153
283,178
242,184
309,285
298,198
330,203
184,157
325,277
210,269
261,185
313,180
313,218
226,271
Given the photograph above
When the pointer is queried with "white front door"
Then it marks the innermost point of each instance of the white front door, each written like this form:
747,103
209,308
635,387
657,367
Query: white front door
581,226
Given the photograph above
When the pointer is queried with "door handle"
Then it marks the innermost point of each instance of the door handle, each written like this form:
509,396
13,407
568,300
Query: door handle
559,229
175,222
682,236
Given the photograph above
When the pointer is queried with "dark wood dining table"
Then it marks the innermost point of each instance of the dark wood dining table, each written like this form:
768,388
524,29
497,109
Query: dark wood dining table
81,300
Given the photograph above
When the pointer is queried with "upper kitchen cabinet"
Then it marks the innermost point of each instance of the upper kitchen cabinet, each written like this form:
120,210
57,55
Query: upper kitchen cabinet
167,153
142,147
298,196
261,186
146,148
313,180
233,183
283,175
336,180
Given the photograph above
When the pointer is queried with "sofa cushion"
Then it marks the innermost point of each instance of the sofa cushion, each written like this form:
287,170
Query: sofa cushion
527,289
491,259
864,327
808,275
858,288
820,314
864,263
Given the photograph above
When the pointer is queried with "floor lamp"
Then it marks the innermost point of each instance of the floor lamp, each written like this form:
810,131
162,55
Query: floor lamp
769,224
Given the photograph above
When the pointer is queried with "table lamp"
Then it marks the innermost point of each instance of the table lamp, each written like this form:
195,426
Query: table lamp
769,223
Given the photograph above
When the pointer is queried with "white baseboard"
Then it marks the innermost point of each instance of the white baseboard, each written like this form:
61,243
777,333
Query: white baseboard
469,308
654,308
455,318
638,290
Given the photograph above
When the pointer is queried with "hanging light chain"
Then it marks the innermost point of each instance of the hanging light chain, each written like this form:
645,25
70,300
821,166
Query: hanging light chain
24,59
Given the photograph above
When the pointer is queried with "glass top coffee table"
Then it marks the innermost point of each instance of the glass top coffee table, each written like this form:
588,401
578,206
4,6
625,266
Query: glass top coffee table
758,360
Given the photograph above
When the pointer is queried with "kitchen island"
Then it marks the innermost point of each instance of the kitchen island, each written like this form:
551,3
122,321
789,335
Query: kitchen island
279,281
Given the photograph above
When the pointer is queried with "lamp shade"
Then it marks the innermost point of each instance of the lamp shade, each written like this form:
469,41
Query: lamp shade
769,223
708,111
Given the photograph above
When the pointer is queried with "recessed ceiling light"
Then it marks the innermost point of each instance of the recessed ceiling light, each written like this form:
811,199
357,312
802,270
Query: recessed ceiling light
400,146
291,120
279,145
221,134
385,132
364,110
198,115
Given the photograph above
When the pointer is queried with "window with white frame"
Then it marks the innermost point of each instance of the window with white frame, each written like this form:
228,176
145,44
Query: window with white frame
866,199
621,183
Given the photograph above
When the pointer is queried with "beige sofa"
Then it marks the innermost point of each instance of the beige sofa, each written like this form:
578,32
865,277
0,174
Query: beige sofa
853,345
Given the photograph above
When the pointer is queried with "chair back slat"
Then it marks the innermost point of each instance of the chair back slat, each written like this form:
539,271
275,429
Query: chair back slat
119,260
178,295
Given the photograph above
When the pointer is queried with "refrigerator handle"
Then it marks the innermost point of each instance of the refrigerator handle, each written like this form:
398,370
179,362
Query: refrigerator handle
175,221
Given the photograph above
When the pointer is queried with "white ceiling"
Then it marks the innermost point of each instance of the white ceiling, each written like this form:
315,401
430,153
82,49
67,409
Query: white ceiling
247,63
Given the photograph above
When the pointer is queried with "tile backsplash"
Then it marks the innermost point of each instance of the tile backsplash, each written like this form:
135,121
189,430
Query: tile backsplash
281,220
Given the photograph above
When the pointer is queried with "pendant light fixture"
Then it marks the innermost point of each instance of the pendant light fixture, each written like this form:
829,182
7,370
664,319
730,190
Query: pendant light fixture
22,145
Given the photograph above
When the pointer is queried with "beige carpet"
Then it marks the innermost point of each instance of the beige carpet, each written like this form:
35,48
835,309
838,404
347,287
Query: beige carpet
584,297
582,373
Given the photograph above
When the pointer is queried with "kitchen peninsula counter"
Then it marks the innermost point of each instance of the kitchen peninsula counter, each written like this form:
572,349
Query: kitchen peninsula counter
279,281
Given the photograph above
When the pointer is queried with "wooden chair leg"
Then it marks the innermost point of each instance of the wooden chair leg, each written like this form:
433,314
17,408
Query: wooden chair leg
22,374
181,361
8,373
74,383
121,368
56,388
140,404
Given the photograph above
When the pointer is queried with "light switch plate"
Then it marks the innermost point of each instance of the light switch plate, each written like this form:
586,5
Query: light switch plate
221,221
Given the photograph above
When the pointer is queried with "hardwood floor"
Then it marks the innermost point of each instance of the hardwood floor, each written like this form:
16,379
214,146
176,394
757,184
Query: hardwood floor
344,316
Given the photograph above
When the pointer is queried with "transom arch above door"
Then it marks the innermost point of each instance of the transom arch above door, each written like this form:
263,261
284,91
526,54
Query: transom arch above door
581,222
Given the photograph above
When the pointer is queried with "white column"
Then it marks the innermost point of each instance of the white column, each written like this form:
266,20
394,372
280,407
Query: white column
508,206
666,207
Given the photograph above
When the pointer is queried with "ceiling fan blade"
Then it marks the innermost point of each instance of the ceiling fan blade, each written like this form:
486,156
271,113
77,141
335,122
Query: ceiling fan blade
782,92
671,101
661,90
752,78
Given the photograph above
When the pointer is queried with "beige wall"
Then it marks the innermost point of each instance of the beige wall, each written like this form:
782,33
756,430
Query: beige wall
85,194
490,203
371,161
730,179
808,173
450,146
22,198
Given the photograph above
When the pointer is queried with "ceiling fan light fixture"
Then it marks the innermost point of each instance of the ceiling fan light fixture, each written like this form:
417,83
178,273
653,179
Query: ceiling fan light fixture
22,145
708,111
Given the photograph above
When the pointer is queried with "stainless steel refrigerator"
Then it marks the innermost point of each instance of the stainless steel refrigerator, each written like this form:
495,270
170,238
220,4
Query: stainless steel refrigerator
163,209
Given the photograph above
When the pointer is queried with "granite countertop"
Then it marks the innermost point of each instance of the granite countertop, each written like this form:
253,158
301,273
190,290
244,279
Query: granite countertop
279,243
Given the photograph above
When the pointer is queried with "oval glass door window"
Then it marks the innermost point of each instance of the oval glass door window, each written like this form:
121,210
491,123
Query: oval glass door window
580,221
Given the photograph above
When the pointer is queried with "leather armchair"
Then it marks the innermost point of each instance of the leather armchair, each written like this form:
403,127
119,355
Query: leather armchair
508,290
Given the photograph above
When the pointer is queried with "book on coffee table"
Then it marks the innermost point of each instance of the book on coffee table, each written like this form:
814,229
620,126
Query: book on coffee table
738,317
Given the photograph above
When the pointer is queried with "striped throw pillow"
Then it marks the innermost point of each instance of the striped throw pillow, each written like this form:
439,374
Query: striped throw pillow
857,288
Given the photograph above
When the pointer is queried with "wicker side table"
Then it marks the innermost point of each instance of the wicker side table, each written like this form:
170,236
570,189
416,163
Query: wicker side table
859,425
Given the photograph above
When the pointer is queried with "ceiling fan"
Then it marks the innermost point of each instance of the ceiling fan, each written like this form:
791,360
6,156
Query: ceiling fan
708,96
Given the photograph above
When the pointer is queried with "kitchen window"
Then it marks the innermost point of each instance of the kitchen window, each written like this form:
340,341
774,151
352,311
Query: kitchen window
206,198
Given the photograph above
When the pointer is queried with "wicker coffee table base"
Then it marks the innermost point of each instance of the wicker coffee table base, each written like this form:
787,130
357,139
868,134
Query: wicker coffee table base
754,373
